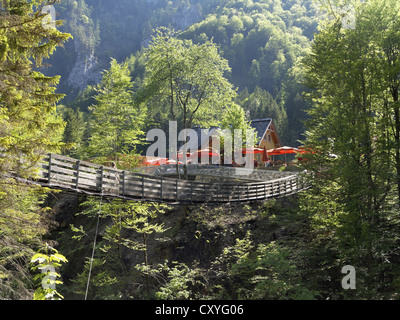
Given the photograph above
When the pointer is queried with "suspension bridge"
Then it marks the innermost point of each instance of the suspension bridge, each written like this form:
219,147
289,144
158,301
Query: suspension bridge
206,183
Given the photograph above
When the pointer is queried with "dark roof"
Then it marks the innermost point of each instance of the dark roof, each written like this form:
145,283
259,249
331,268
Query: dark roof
260,125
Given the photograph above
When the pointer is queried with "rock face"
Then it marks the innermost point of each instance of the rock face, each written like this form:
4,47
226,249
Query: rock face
92,58
84,71
187,17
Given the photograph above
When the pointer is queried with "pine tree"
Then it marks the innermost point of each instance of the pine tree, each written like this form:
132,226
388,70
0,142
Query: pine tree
116,121
74,131
29,128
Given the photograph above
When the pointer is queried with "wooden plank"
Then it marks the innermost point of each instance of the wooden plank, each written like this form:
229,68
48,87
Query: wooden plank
59,176
83,163
62,180
67,172
110,180
61,170
56,174
59,163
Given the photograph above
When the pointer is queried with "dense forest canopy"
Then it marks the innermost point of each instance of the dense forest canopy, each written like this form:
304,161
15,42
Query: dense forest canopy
262,41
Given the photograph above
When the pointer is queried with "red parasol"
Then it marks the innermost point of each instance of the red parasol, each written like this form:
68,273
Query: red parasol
252,150
180,155
282,150
156,161
171,161
207,152
304,150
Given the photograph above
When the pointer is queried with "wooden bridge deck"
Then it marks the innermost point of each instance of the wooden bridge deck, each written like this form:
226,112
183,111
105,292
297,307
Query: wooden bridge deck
151,184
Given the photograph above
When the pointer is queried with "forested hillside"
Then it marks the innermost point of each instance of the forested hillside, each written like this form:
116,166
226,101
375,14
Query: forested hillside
262,41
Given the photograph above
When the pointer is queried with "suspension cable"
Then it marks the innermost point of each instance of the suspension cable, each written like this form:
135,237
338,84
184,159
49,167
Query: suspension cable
94,245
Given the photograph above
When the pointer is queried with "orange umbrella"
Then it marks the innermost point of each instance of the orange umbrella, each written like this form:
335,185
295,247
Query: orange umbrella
156,161
171,161
180,155
282,150
305,150
208,152
252,150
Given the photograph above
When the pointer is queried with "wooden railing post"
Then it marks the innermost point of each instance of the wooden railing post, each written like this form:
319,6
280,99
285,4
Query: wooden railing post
101,178
161,186
142,187
78,163
123,183
49,177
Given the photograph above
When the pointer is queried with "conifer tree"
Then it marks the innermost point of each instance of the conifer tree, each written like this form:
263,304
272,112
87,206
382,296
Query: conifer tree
29,128
117,122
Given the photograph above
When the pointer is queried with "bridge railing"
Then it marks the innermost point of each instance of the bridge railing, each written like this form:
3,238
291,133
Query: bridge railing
218,170
67,173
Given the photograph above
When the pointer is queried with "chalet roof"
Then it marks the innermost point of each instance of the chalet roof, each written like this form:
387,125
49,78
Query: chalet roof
260,125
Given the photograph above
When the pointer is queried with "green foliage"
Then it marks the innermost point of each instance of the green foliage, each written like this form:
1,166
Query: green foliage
129,227
29,128
187,77
177,280
27,97
235,118
264,271
23,222
268,274
116,122
261,104
263,51
177,286
74,132
353,128
47,263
